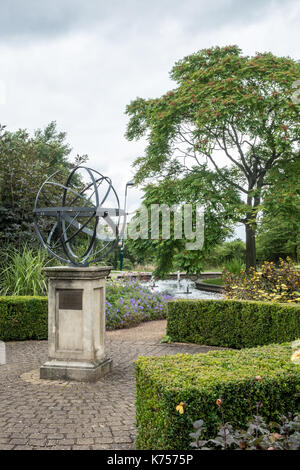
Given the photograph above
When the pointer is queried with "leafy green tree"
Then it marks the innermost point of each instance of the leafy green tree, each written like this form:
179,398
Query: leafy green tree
136,254
26,161
172,254
227,251
278,233
230,114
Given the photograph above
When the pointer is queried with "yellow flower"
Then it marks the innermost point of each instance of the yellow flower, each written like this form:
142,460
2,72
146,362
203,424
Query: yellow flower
296,357
180,407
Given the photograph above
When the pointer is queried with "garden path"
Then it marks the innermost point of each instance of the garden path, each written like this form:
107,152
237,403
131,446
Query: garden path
41,414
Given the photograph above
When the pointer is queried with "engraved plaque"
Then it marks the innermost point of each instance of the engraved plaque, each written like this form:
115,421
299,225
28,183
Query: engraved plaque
70,299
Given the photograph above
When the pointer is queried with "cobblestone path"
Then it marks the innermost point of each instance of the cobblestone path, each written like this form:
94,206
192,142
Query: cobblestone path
39,414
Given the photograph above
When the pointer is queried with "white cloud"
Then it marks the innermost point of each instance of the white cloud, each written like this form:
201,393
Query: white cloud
2,92
85,74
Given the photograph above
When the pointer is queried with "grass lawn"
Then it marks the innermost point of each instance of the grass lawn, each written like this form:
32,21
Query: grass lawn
217,281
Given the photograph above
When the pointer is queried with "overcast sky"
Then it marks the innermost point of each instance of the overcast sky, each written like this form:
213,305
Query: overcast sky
80,62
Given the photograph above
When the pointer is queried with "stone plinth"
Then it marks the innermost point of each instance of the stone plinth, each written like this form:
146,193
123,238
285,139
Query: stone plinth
2,353
76,324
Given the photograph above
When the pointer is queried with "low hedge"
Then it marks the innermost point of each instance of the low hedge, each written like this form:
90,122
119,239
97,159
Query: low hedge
23,318
232,323
199,380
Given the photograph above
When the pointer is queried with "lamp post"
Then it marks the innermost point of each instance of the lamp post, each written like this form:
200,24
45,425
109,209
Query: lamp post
130,183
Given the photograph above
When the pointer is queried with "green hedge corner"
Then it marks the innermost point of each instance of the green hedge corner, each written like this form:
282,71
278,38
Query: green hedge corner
23,318
199,380
232,323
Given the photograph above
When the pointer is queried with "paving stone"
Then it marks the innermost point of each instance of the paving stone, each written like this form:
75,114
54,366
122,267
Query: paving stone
36,443
104,440
20,447
78,447
18,441
4,440
37,414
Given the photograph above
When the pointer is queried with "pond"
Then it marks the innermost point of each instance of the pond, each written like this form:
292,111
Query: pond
184,289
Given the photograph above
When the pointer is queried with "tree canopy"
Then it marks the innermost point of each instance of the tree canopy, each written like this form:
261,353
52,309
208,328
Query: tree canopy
170,254
26,161
278,232
229,115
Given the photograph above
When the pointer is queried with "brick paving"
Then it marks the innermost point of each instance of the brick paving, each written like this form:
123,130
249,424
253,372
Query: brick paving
39,414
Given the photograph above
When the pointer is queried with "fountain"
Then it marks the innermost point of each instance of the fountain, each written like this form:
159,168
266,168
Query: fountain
153,282
183,289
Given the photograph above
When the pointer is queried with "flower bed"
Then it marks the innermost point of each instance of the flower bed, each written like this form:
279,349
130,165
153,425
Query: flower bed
129,303
273,283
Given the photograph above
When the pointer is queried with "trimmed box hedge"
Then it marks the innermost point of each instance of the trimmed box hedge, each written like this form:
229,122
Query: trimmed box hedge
232,323
199,380
23,318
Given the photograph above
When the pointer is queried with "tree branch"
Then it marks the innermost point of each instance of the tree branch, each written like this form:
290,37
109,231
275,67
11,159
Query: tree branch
240,188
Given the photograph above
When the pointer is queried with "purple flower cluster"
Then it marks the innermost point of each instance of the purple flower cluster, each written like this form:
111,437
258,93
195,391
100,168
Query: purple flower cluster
128,303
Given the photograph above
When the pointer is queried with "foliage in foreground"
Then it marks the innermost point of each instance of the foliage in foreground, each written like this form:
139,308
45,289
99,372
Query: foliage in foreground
273,283
258,435
129,303
232,323
199,380
284,435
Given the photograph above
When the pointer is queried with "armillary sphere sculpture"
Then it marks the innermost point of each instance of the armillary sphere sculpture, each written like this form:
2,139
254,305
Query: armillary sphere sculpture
78,222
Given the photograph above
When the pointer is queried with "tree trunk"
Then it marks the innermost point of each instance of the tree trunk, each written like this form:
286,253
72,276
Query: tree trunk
250,247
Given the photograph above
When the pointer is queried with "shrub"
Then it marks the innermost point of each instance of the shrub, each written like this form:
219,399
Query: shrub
232,323
224,253
234,266
197,381
128,303
127,264
23,318
23,274
274,284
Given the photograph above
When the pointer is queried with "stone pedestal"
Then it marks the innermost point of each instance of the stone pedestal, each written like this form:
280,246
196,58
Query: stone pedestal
76,324
2,353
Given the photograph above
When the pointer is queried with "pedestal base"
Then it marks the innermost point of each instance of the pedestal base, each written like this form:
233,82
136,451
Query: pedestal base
78,371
